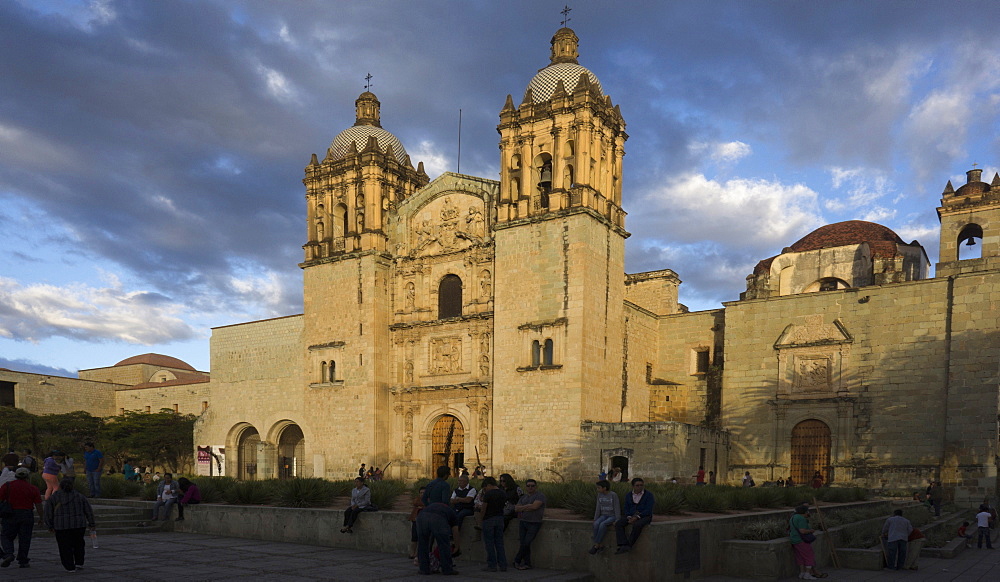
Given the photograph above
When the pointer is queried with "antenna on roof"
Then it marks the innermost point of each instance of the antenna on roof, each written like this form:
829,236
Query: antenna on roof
368,81
459,169
565,12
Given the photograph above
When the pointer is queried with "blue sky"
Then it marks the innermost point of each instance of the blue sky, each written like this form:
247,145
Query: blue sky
151,153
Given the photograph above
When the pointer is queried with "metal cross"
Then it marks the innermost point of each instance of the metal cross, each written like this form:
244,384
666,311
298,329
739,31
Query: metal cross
974,166
565,12
368,81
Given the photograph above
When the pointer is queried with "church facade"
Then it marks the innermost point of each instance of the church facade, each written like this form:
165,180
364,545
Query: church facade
469,321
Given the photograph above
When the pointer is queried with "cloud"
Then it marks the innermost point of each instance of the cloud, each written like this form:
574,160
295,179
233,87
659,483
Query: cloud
864,188
25,365
83,312
436,162
727,152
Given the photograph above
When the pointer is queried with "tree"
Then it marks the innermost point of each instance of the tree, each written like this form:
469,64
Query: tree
163,438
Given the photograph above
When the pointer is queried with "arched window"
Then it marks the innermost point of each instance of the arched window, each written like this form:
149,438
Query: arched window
542,169
536,354
333,371
547,353
247,454
450,297
568,177
323,373
970,242
340,220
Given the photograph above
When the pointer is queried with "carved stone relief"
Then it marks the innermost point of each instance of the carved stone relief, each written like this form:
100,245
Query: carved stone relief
446,355
485,284
408,372
484,366
410,294
812,374
484,442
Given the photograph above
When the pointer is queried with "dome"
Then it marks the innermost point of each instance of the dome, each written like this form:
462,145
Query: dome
544,84
359,134
840,234
972,189
156,360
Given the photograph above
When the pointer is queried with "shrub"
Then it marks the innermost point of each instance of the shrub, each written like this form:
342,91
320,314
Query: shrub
708,499
763,529
556,494
767,497
581,498
249,493
740,498
301,492
113,488
133,488
668,499
148,492
213,489
385,492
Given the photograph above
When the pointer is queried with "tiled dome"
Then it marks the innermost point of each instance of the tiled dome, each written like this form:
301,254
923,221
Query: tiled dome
359,134
544,83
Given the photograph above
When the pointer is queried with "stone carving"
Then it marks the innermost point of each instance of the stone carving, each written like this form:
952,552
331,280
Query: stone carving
361,221
485,284
475,222
484,418
812,374
484,442
410,294
408,372
408,422
408,448
484,366
484,344
813,331
446,355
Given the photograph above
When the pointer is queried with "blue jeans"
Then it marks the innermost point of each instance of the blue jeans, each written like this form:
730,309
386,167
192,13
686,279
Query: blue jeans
19,526
432,527
462,514
168,504
496,555
984,532
600,526
896,554
94,482
526,534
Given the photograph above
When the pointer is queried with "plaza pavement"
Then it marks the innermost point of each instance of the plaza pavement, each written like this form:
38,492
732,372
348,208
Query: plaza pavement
182,557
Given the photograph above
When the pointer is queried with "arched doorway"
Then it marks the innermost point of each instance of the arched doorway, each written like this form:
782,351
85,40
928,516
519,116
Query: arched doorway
247,453
291,451
448,442
811,451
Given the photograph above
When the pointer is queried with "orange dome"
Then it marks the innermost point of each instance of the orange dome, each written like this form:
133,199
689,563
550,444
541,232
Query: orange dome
156,360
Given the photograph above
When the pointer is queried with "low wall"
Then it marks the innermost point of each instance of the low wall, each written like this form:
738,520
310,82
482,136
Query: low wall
560,545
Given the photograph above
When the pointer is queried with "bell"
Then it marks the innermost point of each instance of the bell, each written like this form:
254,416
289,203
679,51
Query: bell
971,243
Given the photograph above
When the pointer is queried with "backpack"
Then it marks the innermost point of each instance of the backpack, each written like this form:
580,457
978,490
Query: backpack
30,463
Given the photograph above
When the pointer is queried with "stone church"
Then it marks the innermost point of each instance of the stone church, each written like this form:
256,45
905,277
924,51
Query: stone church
470,321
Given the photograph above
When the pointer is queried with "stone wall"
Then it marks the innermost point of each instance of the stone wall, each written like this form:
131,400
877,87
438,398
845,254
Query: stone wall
184,399
657,451
43,394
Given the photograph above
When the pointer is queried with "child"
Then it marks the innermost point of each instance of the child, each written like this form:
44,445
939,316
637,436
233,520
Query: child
964,533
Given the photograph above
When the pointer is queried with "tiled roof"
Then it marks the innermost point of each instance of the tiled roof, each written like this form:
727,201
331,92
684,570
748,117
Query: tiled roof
881,240
359,134
156,360
181,380
544,84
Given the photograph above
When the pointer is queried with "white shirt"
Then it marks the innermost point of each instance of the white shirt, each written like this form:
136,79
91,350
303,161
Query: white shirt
983,519
472,493
6,476
169,491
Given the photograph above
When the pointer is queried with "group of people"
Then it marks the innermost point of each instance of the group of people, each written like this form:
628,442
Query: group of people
181,493
65,512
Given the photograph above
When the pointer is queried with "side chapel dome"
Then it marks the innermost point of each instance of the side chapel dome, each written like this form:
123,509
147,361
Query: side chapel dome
564,68
367,125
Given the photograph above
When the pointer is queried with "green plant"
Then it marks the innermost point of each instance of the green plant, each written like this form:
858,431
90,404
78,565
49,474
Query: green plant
113,487
707,499
249,493
300,492
148,492
740,498
668,499
763,529
385,492
213,489
767,497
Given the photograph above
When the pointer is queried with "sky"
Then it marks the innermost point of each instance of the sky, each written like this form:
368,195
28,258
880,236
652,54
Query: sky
151,153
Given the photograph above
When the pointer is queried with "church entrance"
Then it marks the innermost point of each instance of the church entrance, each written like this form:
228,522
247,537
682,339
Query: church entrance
247,453
811,451
448,443
291,450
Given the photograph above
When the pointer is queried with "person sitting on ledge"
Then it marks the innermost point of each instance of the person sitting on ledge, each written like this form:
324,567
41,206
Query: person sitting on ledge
361,500
192,496
638,513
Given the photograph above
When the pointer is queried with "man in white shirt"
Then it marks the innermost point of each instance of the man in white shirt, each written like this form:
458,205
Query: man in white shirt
983,522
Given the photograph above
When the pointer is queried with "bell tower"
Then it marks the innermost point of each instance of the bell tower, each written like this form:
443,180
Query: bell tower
970,218
562,147
560,247
365,174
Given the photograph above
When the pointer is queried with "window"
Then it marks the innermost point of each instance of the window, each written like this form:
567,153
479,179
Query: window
340,220
204,405
450,297
970,242
333,372
536,354
147,409
7,393
121,411
177,408
547,353
701,361
323,372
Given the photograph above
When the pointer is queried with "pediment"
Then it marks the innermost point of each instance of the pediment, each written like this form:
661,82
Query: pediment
813,332
448,215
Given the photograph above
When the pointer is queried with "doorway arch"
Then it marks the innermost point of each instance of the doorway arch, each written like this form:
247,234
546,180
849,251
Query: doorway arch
247,446
448,443
291,452
811,442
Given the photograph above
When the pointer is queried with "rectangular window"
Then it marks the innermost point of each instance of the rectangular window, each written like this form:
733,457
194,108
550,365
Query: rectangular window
147,409
204,405
121,411
702,456
701,361
177,408
7,393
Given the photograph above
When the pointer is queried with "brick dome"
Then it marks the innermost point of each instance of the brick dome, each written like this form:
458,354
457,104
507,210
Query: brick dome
156,360
881,240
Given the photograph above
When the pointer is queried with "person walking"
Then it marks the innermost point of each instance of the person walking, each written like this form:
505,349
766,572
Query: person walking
607,511
983,523
748,480
699,477
68,514
22,496
93,466
937,497
896,531
530,510
492,510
